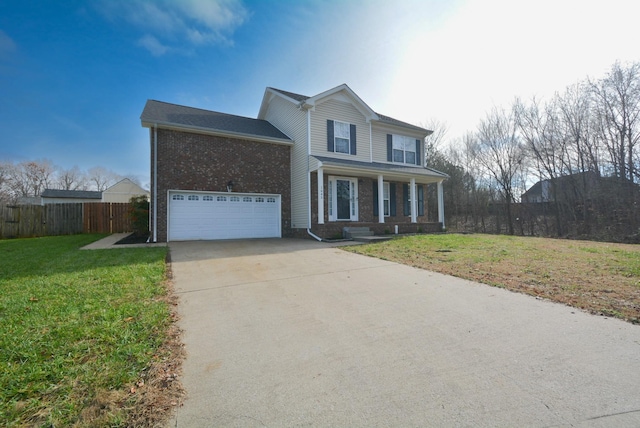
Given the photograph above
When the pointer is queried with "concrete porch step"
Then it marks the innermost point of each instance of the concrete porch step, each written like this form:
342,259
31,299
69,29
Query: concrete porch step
352,232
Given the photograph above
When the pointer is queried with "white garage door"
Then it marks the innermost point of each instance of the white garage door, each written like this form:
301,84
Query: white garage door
213,215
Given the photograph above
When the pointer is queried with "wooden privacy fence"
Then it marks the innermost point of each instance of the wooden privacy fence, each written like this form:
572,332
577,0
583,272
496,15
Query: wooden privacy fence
24,221
105,217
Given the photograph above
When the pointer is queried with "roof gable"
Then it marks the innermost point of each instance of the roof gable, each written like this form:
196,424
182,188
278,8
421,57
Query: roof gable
190,118
341,93
126,185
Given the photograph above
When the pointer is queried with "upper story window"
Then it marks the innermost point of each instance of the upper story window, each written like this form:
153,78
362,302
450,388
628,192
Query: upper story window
401,149
341,137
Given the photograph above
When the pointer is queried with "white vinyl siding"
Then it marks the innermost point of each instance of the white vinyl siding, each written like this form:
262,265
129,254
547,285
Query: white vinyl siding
293,122
332,109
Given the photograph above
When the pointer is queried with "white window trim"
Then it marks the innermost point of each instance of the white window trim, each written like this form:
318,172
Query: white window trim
333,202
403,141
386,192
335,137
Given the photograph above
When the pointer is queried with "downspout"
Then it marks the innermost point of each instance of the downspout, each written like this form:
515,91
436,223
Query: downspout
155,182
309,177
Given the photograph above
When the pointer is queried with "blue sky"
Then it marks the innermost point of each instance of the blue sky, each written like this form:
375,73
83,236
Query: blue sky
75,75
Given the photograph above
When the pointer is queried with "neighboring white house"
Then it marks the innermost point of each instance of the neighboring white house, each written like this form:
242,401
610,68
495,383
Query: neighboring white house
123,191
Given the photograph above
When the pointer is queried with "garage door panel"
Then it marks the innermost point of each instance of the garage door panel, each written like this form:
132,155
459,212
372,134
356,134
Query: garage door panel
202,216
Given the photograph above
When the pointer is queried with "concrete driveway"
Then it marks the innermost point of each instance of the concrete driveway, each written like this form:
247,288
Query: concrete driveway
298,333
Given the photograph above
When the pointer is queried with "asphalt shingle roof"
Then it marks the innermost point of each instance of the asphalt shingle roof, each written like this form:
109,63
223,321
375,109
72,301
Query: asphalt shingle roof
173,114
71,194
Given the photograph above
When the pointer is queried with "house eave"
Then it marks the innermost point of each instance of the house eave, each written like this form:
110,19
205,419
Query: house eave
217,132
401,173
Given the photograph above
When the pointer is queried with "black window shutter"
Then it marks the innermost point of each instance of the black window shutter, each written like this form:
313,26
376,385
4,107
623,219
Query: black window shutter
420,199
418,159
375,198
392,199
405,198
389,147
330,138
352,135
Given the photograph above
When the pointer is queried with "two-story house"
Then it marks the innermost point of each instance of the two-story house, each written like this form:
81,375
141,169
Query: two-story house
307,166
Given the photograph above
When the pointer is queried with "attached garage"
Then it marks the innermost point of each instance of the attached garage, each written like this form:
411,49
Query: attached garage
223,215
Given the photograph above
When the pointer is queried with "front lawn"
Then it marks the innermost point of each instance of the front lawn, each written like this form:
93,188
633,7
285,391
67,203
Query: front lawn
602,278
79,330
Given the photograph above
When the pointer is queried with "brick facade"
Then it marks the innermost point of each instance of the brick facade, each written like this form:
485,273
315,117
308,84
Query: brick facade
333,229
191,161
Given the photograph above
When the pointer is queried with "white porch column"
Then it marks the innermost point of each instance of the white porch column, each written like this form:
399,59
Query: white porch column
440,204
320,196
381,199
414,204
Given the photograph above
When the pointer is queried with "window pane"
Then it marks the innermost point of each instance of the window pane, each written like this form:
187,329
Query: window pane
341,130
398,156
410,157
409,144
385,197
342,145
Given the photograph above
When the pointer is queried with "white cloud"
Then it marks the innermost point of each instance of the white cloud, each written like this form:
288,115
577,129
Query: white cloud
153,45
177,25
7,45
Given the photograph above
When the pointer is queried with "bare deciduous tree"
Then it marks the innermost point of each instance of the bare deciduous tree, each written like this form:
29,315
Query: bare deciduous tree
28,179
499,149
102,178
71,179
617,106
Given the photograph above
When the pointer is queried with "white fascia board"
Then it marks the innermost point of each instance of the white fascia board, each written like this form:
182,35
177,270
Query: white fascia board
366,111
269,94
392,128
219,133
387,174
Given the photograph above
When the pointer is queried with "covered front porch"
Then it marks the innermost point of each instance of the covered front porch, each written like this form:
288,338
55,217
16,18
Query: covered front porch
379,196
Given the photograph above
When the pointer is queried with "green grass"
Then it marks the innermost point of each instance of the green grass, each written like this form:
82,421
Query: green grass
75,326
599,277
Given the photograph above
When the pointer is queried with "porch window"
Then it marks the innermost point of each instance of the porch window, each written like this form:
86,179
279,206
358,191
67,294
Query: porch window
386,198
406,199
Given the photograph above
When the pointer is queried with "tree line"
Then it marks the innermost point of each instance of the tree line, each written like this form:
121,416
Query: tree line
580,145
20,180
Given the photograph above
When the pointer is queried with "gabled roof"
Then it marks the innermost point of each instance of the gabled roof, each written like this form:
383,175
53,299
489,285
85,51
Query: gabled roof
126,181
170,115
71,194
310,101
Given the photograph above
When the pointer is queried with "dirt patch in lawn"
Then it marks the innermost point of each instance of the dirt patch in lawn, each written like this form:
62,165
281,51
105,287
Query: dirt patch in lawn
602,278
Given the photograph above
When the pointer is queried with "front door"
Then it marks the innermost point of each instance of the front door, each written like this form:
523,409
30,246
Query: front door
343,199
